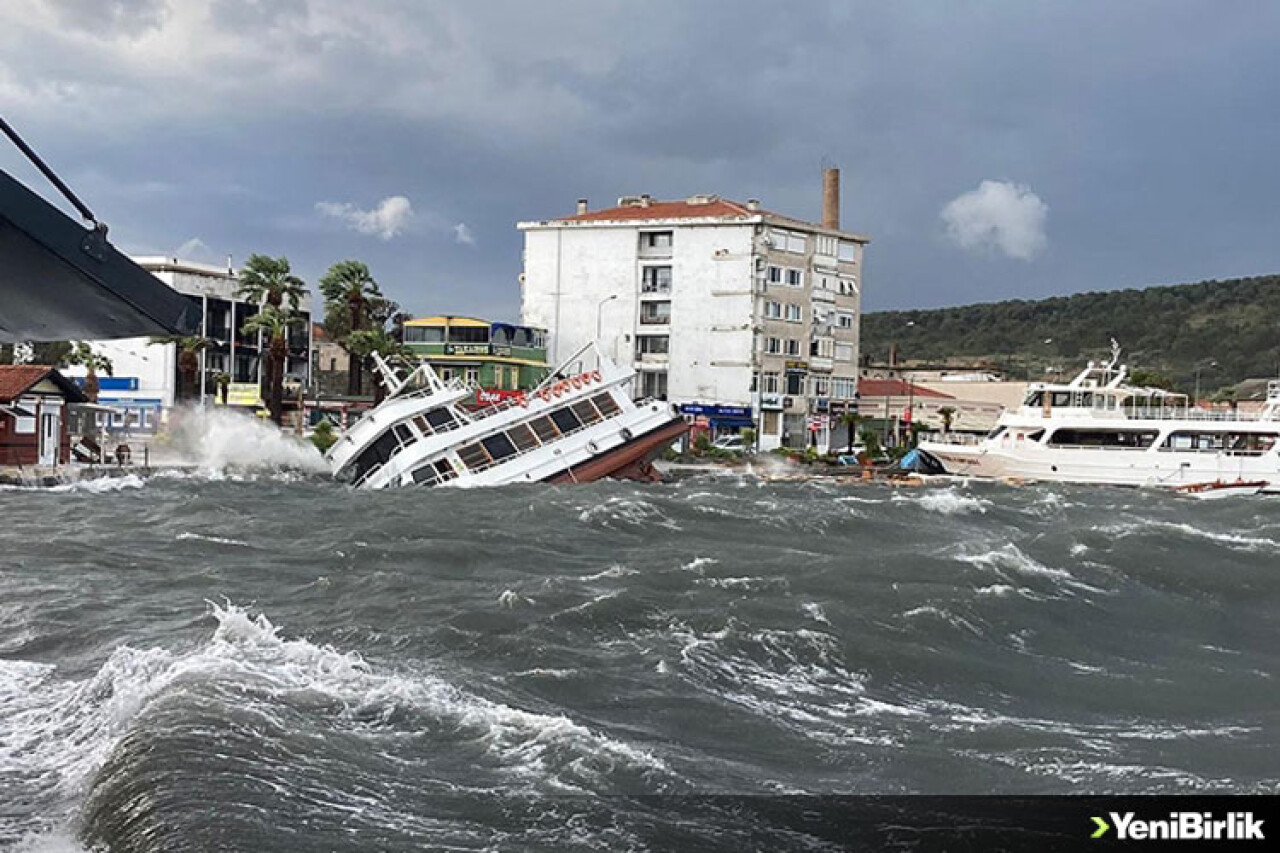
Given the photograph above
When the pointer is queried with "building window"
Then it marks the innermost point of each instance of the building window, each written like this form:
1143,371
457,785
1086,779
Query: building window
655,280
795,384
843,389
773,346
793,346
844,321
825,245
848,251
788,241
473,376
822,347
655,240
770,383
795,278
773,310
793,314
821,386
653,345
775,275
844,352
655,313
446,374
653,384
770,423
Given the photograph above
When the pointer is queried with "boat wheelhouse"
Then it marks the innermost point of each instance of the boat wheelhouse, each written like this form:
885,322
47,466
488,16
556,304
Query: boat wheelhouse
1100,429
579,424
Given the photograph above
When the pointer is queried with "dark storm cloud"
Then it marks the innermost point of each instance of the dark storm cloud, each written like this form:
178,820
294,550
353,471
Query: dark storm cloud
1147,131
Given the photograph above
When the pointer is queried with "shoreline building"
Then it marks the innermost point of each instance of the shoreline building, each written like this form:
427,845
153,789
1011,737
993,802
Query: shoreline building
35,415
498,358
742,316
146,379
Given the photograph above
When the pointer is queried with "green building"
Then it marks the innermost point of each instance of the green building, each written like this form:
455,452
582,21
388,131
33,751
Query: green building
500,358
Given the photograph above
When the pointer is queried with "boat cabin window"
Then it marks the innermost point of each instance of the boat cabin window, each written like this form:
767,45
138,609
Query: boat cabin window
375,455
1033,399
565,420
441,419
606,404
1236,443
522,437
544,429
498,447
996,433
474,457
1117,438
403,434
586,412
434,472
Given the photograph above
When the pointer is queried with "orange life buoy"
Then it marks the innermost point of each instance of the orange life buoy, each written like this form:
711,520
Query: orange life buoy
595,376
576,382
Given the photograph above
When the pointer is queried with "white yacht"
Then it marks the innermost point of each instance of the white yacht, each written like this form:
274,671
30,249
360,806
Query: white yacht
1099,429
580,424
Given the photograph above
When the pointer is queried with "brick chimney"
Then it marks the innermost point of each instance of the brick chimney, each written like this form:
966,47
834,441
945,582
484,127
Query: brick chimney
582,206
831,198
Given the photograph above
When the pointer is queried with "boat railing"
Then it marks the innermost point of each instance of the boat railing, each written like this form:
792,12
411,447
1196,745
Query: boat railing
957,438
1166,413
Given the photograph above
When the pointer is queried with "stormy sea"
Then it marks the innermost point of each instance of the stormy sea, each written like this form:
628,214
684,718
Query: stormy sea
264,661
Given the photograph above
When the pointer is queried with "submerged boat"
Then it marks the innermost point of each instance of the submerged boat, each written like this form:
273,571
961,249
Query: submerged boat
579,425
1098,428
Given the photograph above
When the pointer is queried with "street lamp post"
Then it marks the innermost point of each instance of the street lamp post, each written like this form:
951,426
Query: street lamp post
600,313
1195,401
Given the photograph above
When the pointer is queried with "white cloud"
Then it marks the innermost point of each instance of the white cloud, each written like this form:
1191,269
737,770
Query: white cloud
388,219
998,216
462,234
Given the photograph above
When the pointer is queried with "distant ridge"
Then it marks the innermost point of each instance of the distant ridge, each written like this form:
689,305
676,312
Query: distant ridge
1169,330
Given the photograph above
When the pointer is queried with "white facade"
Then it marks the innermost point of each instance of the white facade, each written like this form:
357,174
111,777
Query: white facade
753,310
145,374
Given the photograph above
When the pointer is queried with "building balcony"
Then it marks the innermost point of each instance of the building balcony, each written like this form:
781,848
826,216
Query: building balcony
650,290
822,294
658,320
654,252
651,359
822,363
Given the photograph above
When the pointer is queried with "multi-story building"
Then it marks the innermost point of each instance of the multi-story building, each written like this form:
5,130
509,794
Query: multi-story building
741,315
498,358
146,375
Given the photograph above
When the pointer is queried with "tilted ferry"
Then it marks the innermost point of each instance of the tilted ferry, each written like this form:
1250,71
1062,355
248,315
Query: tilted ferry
580,424
1099,429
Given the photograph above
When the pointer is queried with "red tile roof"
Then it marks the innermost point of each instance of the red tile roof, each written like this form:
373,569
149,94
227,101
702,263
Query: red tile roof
716,207
896,388
15,379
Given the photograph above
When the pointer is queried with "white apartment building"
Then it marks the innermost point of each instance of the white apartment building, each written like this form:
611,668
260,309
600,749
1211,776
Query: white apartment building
145,381
743,316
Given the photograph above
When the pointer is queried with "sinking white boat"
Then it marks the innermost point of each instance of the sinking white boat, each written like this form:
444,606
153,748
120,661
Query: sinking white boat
1214,489
579,425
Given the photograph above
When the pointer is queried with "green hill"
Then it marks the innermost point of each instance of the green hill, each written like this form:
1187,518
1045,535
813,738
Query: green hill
1229,329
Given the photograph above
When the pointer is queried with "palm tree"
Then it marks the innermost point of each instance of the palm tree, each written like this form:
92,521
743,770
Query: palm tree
274,323
948,416
189,349
92,362
851,420
267,281
364,343
350,293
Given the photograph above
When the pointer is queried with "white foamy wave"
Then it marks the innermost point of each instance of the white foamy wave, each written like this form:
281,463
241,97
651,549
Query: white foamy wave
614,571
88,486
1235,541
1010,557
217,441
948,502
697,564
618,512
57,733
216,540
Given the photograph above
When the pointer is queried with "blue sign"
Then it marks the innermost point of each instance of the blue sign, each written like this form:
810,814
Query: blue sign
715,411
117,383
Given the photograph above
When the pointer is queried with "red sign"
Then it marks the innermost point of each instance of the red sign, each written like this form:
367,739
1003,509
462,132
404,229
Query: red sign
489,396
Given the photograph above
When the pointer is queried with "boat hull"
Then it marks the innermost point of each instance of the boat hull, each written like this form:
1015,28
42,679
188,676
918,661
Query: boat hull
630,461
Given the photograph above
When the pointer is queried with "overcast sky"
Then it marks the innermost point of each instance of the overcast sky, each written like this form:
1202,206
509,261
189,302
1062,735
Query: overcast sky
990,150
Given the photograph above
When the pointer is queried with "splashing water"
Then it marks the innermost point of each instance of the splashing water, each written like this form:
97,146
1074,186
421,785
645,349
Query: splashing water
217,441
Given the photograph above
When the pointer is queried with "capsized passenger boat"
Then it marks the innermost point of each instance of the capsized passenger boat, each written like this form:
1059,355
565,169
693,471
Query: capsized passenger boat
579,425
1099,428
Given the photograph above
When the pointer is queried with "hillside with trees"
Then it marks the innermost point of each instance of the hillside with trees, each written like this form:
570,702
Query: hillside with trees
1227,331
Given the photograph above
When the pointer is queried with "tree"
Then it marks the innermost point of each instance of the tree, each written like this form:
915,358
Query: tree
947,413
267,281
851,420
189,349
274,323
351,298
364,343
82,354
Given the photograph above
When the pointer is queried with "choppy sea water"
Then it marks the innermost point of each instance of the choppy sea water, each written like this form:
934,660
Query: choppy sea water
279,663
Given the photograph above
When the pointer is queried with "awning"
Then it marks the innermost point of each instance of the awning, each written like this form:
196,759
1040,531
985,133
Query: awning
62,281
732,423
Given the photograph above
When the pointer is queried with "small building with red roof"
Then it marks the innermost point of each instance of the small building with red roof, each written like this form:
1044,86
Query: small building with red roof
34,415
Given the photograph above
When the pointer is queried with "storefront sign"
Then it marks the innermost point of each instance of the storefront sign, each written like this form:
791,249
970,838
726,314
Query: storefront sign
240,394
716,411
771,401
801,366
466,349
